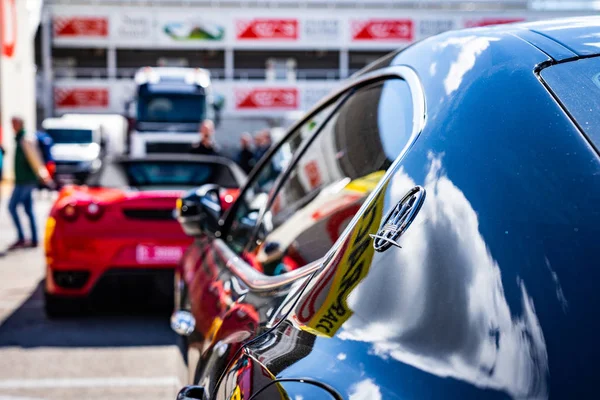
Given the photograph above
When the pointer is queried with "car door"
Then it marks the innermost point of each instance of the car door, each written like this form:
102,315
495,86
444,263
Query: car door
280,229
311,210
207,287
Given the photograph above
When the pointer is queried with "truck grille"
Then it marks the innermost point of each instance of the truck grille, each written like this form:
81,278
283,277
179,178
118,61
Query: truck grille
150,214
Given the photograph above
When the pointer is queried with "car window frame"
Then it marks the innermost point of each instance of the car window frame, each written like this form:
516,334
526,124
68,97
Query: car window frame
301,152
261,282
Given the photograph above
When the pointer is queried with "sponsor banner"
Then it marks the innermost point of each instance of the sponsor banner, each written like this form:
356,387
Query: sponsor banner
433,26
487,21
377,29
197,30
8,27
241,98
17,77
267,98
80,27
322,29
267,29
81,97
132,28
199,27
311,95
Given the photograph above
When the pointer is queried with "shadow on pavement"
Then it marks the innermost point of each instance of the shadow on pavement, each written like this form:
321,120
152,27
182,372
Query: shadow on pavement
28,326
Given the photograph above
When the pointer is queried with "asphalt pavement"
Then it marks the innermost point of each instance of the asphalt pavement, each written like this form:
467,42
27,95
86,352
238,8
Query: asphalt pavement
114,354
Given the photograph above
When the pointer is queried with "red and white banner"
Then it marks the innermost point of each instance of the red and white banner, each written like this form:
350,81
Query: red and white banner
282,28
80,26
267,98
8,24
267,29
479,22
382,29
111,96
87,97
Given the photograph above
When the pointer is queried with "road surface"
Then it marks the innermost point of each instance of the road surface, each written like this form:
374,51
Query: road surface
108,356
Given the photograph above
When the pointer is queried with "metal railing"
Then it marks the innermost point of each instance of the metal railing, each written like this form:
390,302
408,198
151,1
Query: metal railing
216,73
430,4
414,4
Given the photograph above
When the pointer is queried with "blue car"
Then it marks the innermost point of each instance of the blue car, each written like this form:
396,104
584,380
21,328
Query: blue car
468,269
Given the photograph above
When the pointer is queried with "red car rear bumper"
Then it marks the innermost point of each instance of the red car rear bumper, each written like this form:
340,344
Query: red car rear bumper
76,264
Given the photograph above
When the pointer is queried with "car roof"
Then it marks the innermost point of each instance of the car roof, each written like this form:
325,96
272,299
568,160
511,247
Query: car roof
560,39
579,35
68,123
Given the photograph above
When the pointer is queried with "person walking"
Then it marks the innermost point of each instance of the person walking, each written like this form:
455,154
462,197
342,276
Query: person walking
29,170
2,253
206,145
245,157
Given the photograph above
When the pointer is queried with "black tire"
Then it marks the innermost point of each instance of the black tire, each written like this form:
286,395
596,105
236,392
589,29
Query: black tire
61,307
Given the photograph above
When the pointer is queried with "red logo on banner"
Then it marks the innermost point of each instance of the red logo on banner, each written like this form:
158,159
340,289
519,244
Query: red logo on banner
474,23
383,29
266,28
80,26
266,98
81,97
8,24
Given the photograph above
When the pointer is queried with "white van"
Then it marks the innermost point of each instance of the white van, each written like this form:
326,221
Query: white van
114,130
77,150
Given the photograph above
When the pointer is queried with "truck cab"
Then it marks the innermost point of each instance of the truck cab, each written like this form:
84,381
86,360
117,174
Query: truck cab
78,148
168,108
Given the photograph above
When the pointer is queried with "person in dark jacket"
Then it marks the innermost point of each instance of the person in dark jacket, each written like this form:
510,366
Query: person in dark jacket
29,170
262,144
245,157
206,145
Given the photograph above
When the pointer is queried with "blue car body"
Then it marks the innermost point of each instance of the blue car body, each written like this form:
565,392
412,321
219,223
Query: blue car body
494,292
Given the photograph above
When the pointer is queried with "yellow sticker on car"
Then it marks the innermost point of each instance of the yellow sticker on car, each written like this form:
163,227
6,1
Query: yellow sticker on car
367,183
352,267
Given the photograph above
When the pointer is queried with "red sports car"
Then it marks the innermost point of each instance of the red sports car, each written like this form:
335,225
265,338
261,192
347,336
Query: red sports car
119,231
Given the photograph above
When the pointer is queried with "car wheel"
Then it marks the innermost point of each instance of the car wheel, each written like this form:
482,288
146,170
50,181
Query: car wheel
57,307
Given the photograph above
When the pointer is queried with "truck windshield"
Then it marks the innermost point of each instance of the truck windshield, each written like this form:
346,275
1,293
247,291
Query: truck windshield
64,136
166,107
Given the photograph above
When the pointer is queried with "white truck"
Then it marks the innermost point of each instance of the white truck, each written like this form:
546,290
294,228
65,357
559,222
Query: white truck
168,107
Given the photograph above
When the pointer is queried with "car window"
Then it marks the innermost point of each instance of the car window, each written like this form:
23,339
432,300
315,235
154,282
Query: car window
255,197
162,174
577,86
71,136
332,178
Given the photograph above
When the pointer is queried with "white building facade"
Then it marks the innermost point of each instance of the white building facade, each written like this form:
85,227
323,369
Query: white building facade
267,58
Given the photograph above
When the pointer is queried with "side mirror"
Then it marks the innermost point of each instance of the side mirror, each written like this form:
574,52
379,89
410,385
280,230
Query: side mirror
191,393
183,323
200,210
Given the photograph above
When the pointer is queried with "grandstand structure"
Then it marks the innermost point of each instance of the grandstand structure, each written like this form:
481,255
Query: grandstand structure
269,59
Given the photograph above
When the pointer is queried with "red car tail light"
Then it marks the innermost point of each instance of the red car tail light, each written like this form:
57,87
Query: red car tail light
70,212
93,211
